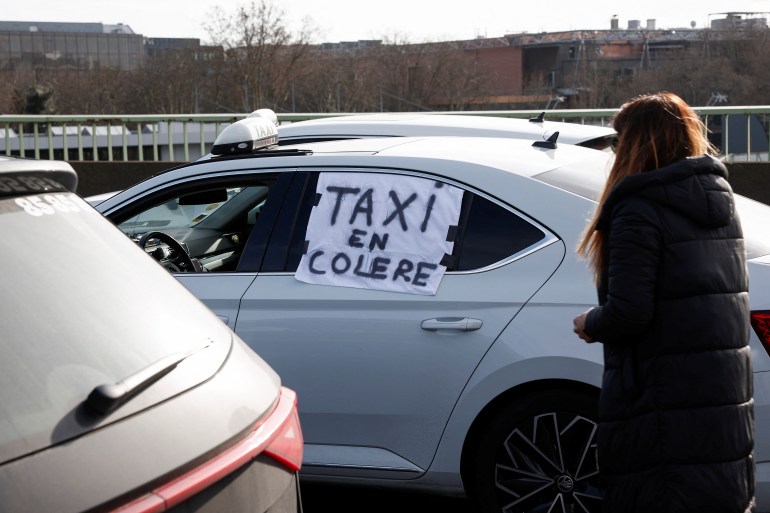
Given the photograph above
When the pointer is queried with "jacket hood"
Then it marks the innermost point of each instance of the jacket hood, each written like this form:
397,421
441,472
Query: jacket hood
695,186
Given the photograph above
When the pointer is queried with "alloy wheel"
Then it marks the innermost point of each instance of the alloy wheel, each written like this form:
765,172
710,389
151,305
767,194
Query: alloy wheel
549,464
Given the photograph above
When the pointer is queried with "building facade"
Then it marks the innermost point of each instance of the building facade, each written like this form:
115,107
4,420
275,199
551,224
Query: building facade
78,46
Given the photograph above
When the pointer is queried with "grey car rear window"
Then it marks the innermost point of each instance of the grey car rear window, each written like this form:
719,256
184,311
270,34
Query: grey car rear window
81,306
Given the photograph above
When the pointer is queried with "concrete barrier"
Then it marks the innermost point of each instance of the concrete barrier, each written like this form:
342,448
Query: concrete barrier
751,179
100,177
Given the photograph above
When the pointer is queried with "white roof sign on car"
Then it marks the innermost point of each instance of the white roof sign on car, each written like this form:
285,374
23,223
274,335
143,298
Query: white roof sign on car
257,131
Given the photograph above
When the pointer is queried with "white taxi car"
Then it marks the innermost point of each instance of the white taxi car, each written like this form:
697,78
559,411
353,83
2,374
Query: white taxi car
418,294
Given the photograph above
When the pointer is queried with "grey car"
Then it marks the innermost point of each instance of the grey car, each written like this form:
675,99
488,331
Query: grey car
122,393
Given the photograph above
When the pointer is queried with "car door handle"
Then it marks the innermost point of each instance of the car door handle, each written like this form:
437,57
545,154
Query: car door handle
224,319
451,323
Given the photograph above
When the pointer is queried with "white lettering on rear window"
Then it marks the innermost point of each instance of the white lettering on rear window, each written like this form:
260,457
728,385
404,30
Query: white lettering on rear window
47,205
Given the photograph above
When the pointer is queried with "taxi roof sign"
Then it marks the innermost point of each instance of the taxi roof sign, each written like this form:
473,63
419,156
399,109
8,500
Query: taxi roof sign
253,133
265,113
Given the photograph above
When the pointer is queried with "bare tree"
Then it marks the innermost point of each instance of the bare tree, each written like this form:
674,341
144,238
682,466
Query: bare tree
734,63
455,78
103,91
342,79
261,54
170,82
428,75
256,61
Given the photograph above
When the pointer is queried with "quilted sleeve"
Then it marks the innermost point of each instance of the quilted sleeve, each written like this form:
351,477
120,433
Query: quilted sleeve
634,255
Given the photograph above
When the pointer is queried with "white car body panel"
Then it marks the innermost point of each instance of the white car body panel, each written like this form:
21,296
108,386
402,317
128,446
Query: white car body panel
220,292
386,409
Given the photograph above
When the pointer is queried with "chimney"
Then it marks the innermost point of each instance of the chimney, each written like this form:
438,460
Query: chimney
651,24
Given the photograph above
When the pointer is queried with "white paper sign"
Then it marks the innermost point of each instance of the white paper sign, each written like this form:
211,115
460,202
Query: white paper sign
380,231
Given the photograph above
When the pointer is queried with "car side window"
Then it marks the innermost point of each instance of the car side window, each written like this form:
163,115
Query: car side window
184,211
491,233
488,232
211,221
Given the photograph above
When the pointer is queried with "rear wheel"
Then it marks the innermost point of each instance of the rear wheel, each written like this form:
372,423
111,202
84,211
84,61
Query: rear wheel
539,455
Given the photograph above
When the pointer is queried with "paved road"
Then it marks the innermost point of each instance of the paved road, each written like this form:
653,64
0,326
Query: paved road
349,499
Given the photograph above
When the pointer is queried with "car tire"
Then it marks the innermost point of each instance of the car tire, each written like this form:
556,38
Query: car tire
539,455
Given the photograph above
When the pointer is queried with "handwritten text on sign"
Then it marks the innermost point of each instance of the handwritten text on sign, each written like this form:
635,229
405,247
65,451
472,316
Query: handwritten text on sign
380,231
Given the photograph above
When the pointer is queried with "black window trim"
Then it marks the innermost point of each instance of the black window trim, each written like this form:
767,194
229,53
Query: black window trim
278,248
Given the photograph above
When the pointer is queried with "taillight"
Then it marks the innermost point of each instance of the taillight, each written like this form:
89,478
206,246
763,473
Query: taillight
279,436
288,444
760,321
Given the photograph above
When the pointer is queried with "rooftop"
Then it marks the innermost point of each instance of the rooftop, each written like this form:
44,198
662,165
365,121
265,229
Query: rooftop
55,26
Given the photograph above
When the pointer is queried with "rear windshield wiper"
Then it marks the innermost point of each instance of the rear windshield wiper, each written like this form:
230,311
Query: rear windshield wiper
107,398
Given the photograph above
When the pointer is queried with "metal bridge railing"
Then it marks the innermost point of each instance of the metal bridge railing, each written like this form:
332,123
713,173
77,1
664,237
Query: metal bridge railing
740,133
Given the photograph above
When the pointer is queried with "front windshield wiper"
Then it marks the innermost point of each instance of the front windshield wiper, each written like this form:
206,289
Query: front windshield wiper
107,398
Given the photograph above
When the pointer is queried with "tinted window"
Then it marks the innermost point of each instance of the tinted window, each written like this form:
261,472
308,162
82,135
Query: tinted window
488,233
296,246
491,233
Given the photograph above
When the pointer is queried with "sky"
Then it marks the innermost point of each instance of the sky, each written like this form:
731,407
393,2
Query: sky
408,20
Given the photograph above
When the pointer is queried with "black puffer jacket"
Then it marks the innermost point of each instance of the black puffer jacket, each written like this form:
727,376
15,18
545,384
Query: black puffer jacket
676,417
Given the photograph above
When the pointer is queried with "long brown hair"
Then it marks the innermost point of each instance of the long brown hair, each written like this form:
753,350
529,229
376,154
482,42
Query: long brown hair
654,130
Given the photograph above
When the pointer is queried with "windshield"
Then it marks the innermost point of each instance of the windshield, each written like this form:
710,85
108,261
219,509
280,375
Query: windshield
176,213
82,306
588,182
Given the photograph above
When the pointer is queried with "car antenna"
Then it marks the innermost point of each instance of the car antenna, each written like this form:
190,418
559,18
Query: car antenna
538,119
549,143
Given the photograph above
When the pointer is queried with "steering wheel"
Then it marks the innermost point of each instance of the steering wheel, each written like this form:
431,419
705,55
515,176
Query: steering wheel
179,261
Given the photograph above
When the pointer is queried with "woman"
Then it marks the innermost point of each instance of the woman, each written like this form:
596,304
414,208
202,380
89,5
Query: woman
676,418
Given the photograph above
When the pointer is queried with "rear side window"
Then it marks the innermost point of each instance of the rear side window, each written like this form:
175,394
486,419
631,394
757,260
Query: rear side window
599,143
491,233
487,233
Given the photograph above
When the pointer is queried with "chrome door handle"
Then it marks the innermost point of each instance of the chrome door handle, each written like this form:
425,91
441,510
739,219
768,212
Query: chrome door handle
451,323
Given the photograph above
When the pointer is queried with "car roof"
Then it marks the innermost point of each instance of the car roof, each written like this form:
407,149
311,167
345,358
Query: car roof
404,125
516,156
